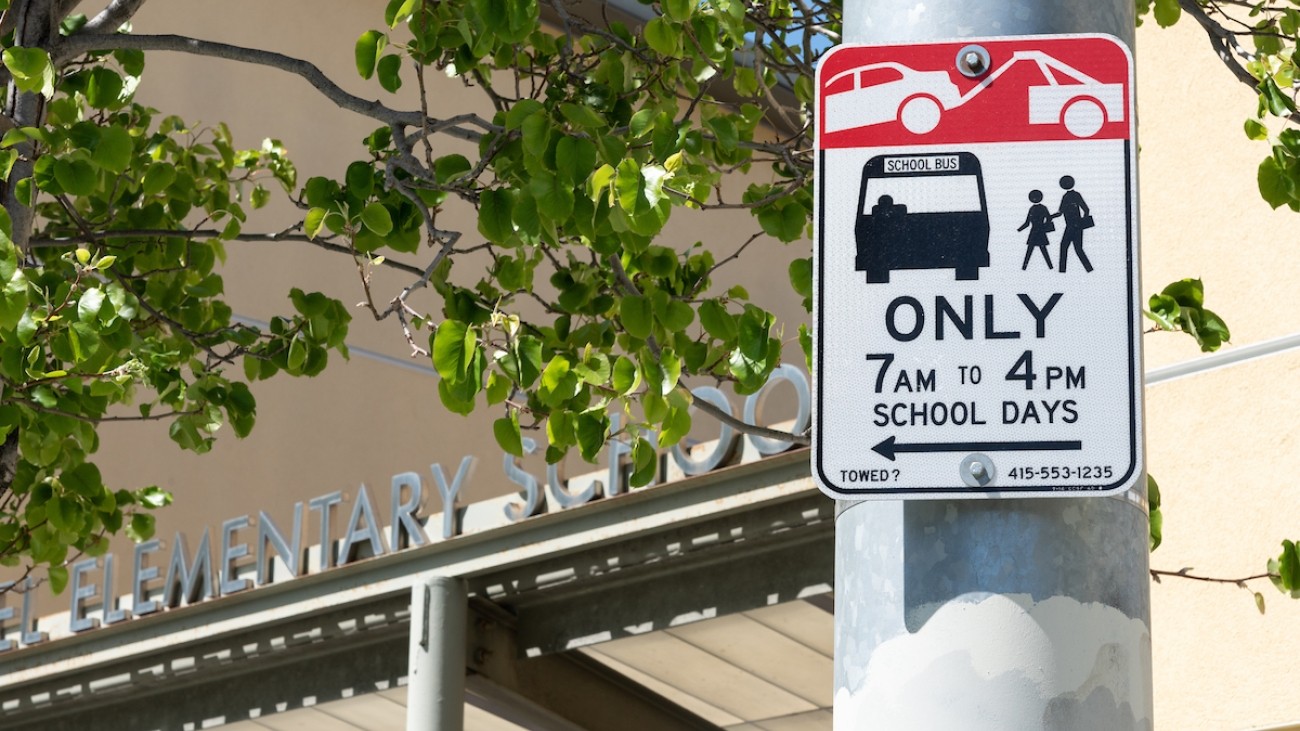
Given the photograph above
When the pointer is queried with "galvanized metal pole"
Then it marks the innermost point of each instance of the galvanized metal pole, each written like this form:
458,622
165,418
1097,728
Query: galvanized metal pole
435,690
989,615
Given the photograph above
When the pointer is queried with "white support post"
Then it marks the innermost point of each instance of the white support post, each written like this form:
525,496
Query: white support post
435,690
988,615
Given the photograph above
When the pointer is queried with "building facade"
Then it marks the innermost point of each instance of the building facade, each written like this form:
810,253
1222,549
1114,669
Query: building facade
700,602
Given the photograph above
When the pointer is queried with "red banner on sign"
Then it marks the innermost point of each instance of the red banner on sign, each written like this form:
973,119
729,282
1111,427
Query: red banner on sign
1056,88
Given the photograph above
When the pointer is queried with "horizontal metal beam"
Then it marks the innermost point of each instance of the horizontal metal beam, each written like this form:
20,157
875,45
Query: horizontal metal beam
572,687
645,533
771,555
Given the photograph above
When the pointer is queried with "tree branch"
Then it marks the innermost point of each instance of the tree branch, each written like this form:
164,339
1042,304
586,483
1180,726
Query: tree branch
34,28
1184,574
46,242
745,427
113,16
80,43
1223,42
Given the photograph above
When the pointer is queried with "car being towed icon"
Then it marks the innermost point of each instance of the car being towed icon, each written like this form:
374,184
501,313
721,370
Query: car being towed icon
913,97
887,91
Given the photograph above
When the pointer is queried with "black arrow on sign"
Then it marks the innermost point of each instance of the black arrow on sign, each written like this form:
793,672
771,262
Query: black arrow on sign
889,447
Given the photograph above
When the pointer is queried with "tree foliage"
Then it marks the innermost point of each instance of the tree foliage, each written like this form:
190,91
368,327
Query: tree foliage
597,127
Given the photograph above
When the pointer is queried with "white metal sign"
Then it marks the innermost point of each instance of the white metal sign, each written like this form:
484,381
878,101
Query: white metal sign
977,318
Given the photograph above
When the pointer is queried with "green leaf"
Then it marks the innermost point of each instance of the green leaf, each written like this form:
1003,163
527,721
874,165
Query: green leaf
678,10
801,276
113,153
637,315
157,178
1167,12
1277,101
76,177
104,90
626,377
785,221
663,37
1186,292
449,166
494,215
13,288
399,11
724,131
506,431
497,389
524,364
591,429
368,46
574,159
555,372
297,353
389,69
313,221
805,342
717,321
1155,518
554,198
1275,186
154,497
645,461
598,183
673,314
132,60
594,369
452,344
141,527
58,578
1286,568
260,196
582,116
31,69
643,121
376,218
89,305
678,422
754,325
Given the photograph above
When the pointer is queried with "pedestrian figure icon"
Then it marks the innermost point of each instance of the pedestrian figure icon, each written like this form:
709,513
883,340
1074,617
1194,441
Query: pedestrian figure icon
1039,223
1077,218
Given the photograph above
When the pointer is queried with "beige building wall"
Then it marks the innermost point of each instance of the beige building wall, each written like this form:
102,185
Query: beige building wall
1221,443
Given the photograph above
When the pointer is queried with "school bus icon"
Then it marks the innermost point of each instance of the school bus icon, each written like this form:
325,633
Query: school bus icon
922,212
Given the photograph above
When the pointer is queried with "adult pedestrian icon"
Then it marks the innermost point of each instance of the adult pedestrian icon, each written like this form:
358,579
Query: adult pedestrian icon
976,294
1077,218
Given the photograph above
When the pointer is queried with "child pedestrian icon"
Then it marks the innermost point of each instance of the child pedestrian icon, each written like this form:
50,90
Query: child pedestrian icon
1039,222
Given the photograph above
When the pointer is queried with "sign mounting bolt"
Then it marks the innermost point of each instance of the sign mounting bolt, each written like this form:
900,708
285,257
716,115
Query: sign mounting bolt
976,470
973,61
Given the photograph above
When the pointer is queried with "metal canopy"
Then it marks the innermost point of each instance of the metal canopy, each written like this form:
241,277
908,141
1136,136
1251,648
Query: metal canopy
635,573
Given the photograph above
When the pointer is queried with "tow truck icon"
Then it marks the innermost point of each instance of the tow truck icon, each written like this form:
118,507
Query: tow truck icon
886,91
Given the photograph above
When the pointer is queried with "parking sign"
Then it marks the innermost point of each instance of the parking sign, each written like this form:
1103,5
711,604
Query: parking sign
977,318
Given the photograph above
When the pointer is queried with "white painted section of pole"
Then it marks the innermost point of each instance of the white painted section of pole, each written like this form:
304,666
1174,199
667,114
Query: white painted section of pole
992,615
435,690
